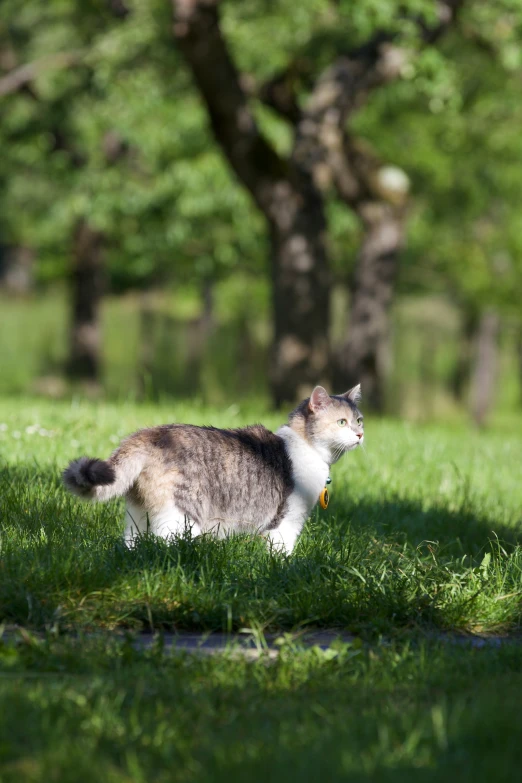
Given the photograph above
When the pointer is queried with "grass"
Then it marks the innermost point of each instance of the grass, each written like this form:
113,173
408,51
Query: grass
421,533
421,537
103,710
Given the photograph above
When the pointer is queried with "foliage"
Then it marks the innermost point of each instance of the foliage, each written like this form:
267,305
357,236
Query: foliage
167,200
169,205
458,141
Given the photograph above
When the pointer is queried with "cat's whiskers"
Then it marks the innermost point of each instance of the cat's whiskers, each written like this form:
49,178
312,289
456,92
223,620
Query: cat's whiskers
338,450
334,451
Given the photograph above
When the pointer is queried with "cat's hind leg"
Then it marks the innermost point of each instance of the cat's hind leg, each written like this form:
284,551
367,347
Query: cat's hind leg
170,521
136,522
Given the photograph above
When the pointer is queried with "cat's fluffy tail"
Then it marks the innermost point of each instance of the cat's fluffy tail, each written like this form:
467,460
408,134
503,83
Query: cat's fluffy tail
97,479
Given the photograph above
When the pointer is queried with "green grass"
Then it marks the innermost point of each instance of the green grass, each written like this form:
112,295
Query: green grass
101,710
421,533
421,537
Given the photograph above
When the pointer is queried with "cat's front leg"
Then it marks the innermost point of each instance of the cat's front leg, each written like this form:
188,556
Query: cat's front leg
283,538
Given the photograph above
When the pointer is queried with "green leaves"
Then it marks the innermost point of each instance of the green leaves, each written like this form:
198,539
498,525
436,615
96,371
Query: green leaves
168,203
167,196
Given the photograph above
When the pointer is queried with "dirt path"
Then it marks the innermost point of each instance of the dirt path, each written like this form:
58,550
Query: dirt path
253,646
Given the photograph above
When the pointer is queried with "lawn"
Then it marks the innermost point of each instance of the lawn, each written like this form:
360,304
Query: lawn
420,539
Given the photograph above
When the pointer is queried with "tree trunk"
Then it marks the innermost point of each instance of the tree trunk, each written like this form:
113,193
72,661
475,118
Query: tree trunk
289,192
519,359
198,332
484,369
363,357
323,148
284,192
146,346
462,372
16,269
87,283
378,195
207,314
301,299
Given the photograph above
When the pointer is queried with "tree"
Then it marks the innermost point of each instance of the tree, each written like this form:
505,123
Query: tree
484,366
89,147
289,191
284,192
459,143
319,111
379,198
53,112
87,279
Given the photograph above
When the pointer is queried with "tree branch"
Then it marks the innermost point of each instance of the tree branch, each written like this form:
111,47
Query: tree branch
19,77
320,142
279,91
197,31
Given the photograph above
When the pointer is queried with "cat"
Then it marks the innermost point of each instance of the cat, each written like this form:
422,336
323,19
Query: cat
225,481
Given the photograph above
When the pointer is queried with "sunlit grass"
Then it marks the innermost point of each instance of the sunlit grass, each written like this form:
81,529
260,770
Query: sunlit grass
422,533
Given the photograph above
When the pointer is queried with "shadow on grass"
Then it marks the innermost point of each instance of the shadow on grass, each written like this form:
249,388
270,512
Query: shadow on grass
368,567
388,714
460,531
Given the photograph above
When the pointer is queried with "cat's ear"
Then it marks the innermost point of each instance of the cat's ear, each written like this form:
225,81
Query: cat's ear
353,394
319,399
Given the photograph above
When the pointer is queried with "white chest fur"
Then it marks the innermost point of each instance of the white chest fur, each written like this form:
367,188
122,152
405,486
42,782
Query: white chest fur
310,472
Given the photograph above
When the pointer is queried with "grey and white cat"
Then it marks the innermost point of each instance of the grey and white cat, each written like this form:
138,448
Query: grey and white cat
225,481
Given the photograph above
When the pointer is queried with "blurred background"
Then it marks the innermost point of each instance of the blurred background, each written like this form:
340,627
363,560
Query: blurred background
219,200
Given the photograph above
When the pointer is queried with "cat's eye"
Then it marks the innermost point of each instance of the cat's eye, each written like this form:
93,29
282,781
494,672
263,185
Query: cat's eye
359,420
342,422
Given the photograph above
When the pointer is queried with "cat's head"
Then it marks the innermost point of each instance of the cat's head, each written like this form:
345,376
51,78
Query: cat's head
332,424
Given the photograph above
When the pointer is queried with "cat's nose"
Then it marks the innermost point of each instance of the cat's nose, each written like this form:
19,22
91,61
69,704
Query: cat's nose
359,435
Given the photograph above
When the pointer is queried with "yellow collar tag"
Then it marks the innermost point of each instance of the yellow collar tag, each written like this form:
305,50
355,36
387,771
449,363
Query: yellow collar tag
324,498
